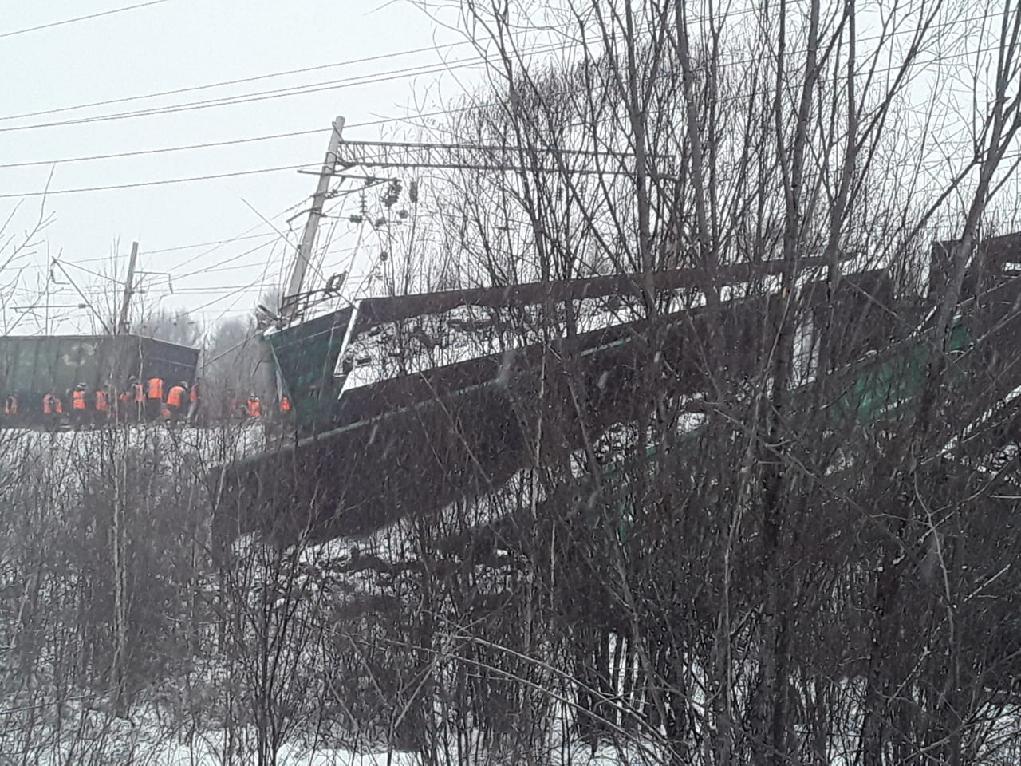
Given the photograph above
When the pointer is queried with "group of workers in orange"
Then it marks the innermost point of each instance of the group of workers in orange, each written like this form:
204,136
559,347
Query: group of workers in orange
150,400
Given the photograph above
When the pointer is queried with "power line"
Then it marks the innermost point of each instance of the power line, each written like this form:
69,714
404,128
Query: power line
309,88
237,294
162,149
230,259
318,67
270,137
225,83
158,290
236,173
240,99
74,265
256,96
297,90
161,182
76,19
192,246
218,245
240,266
261,281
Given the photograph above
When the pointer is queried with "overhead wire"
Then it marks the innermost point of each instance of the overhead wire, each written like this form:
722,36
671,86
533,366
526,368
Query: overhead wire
290,91
370,78
240,291
237,81
231,259
107,277
235,291
157,182
299,90
274,169
240,266
206,268
193,245
345,82
175,248
217,245
76,19
162,149
260,280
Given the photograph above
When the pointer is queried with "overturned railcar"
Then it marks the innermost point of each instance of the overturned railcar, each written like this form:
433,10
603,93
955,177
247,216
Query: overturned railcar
406,404
33,366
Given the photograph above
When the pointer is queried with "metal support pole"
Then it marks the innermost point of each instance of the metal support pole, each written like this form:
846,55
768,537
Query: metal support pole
129,286
290,301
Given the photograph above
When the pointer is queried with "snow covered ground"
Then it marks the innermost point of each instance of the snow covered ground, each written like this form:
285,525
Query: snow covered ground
144,742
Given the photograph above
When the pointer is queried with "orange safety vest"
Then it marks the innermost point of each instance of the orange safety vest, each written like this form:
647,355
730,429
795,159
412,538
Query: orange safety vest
139,393
253,408
285,403
156,388
52,405
175,397
102,401
78,400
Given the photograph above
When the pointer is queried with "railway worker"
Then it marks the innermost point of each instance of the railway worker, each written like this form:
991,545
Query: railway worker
154,397
193,402
253,407
138,391
176,398
102,399
11,407
125,403
79,405
52,409
285,406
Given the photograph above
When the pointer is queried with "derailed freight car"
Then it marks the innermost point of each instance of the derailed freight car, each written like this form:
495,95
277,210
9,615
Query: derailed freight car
33,366
402,407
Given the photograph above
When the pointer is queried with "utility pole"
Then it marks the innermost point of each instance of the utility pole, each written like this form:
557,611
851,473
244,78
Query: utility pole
121,354
129,286
49,280
291,301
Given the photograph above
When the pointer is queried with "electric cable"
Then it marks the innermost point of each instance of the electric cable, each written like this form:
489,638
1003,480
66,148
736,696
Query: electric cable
162,149
90,189
159,182
355,80
76,19
238,81
259,96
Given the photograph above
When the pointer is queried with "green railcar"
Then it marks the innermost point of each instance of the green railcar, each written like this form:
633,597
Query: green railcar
891,385
32,366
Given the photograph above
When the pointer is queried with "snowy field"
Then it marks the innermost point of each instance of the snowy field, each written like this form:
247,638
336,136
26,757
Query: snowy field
143,740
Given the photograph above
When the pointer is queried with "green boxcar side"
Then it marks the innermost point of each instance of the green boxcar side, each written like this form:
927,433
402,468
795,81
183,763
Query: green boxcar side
33,366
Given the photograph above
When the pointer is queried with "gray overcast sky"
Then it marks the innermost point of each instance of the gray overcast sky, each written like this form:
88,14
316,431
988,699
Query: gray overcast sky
178,44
